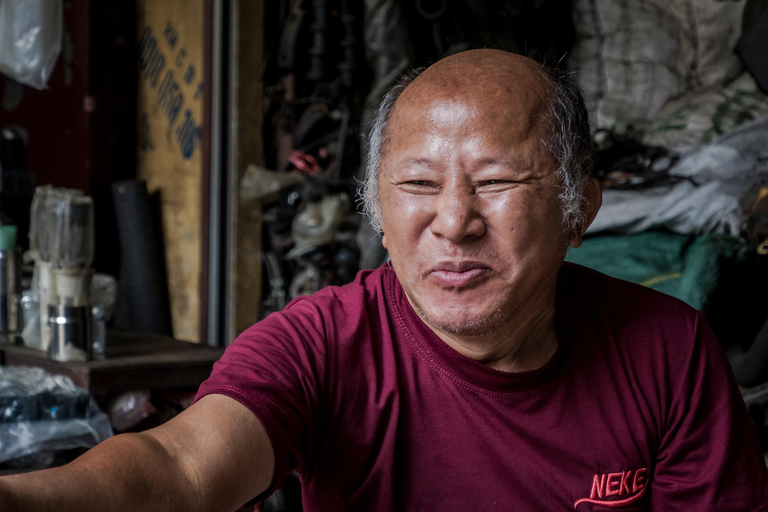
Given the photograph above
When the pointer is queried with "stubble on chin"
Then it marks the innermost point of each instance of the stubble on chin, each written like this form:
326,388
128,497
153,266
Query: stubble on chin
477,326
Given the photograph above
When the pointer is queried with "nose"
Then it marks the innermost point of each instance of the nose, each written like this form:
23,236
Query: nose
458,217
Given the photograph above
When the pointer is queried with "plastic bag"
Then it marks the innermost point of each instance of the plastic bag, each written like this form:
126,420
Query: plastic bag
129,409
30,39
721,186
41,412
259,183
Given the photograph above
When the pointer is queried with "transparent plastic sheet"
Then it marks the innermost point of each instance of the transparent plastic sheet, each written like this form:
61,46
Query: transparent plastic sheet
723,180
30,305
130,408
259,183
317,224
104,293
30,39
40,412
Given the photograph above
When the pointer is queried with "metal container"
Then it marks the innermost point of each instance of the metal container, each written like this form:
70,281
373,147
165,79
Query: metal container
99,332
70,333
10,295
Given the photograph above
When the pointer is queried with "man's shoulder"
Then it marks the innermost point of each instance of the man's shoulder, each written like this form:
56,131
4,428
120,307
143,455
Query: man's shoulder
586,283
646,329
593,294
331,315
334,310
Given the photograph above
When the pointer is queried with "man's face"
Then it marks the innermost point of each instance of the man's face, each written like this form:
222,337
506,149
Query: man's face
470,209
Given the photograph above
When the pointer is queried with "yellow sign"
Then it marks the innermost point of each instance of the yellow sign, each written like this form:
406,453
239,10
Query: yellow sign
170,108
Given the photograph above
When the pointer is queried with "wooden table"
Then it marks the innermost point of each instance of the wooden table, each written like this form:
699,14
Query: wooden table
133,361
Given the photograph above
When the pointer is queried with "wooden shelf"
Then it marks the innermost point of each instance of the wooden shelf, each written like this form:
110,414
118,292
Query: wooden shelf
133,361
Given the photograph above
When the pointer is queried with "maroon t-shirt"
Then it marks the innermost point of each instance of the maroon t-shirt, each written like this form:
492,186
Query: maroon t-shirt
637,410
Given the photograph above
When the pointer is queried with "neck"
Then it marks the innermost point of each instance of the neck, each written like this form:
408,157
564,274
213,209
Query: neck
525,343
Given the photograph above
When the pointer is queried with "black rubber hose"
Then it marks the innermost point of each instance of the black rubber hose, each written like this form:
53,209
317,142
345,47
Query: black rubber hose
142,269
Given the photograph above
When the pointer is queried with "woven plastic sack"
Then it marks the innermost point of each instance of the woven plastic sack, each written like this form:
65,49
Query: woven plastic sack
633,56
698,117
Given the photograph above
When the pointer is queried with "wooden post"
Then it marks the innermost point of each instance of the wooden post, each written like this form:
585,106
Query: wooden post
245,280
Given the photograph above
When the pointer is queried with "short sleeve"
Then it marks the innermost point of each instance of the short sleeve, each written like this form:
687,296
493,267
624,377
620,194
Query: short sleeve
709,457
276,369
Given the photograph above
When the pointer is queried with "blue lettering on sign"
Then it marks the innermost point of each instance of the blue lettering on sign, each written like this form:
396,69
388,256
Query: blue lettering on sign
188,135
151,61
189,75
170,34
199,91
170,97
180,57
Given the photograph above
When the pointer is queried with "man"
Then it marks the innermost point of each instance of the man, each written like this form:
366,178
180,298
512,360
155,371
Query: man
474,372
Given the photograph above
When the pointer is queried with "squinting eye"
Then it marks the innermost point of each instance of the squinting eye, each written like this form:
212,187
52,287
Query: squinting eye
419,187
493,186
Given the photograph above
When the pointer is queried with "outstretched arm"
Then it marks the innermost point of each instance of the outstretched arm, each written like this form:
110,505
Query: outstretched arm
213,456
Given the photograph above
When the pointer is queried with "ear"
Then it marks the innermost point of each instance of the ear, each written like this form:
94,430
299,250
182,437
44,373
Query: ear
384,240
593,198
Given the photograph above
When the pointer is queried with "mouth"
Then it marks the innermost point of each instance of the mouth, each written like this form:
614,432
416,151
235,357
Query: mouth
459,274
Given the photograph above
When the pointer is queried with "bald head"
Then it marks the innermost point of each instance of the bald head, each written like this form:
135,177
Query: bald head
510,90
515,93
482,75
500,71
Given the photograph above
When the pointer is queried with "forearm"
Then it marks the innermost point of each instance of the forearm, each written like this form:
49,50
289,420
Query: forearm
214,456
128,472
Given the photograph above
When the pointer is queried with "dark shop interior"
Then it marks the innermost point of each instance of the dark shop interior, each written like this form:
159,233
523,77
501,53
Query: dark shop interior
174,171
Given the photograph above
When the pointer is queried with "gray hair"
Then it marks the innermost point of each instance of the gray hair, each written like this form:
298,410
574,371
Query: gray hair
569,142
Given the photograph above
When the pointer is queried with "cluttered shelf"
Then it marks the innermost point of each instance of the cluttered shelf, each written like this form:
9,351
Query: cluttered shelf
132,361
